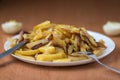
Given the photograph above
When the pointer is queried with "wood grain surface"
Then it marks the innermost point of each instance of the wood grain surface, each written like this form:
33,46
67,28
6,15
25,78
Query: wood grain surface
91,14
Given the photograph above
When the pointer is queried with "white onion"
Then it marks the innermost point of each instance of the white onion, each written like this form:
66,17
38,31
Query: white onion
112,28
11,27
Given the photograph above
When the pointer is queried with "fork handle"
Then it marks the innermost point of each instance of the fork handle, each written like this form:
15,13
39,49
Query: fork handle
109,67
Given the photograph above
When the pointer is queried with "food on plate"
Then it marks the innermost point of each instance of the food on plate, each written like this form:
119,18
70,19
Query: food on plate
57,43
11,27
112,28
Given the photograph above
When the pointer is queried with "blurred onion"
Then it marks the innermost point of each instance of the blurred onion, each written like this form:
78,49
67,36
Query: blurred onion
112,28
11,27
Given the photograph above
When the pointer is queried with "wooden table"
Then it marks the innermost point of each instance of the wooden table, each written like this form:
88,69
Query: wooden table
90,14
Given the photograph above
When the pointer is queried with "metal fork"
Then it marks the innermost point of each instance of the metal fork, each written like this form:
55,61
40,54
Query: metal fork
91,55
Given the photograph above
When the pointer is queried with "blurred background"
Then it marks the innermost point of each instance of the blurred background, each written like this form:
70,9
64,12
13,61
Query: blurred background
91,14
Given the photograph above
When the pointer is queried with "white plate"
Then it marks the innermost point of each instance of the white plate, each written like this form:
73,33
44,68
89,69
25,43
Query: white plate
108,42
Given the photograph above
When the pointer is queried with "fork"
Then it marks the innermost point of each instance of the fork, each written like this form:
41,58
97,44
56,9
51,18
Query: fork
91,55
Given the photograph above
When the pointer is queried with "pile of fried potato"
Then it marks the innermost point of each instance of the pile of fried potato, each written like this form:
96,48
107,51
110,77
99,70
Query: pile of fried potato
57,43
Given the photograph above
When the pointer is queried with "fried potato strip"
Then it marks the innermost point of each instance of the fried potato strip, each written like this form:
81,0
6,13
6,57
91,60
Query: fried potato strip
58,43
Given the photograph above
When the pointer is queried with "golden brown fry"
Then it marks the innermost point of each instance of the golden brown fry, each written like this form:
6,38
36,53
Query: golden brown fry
58,42
28,52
